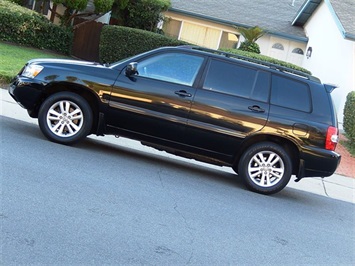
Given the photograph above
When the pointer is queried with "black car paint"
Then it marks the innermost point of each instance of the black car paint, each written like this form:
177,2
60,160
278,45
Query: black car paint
185,120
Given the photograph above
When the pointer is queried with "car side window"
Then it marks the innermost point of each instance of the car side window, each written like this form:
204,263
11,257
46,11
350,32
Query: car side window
290,94
230,78
172,67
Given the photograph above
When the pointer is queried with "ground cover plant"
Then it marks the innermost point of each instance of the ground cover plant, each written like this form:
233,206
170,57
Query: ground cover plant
13,58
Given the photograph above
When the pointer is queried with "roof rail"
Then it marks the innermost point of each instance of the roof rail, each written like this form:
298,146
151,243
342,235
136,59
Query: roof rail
253,60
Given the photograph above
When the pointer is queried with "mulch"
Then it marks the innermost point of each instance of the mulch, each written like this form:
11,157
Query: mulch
347,163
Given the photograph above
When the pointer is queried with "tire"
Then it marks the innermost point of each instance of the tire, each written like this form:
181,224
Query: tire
265,168
65,118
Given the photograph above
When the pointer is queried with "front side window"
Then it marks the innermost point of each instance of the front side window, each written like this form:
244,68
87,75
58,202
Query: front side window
171,67
290,94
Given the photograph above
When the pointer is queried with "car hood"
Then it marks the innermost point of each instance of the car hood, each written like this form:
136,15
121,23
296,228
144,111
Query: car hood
62,61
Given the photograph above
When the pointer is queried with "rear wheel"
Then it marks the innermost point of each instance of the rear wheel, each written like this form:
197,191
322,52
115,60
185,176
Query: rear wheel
65,118
265,168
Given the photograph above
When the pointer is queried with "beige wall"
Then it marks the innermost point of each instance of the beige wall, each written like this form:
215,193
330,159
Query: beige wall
213,35
200,32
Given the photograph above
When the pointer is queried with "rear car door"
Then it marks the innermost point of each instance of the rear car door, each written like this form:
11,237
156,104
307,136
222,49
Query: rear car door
232,104
155,102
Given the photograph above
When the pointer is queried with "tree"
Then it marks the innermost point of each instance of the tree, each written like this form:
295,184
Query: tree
349,116
251,35
73,7
140,14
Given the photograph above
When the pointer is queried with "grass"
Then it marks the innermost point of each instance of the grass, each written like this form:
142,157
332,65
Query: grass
14,57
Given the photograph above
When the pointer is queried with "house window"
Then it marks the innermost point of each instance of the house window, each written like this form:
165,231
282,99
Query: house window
297,51
228,40
42,7
278,46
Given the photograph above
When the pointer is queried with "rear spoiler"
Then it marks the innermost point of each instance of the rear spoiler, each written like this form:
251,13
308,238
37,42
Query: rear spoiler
330,87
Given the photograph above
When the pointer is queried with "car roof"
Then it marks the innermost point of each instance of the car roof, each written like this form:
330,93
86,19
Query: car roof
247,60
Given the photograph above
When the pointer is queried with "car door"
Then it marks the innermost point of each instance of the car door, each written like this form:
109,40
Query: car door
231,104
155,102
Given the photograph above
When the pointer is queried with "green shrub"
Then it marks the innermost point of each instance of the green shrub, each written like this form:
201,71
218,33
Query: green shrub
251,47
118,42
349,116
267,59
26,27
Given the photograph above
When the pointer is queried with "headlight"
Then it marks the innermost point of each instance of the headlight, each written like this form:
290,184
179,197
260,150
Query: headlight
31,71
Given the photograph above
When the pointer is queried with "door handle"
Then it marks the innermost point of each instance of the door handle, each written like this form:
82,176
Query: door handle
183,93
256,108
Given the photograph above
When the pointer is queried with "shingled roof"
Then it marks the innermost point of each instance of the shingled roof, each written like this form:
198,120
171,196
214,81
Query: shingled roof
343,12
272,15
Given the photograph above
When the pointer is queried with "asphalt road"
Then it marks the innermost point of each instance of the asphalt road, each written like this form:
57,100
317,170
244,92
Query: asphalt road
102,203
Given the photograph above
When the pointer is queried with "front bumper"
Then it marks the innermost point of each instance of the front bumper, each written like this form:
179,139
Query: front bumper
26,92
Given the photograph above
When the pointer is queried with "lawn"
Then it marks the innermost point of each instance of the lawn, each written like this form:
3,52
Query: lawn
13,58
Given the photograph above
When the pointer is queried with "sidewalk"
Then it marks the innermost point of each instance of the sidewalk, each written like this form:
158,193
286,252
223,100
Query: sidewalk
336,186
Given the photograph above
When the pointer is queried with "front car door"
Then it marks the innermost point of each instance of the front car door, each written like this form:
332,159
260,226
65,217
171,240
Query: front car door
155,102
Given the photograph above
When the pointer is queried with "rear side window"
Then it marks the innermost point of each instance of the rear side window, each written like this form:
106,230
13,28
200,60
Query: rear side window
290,94
229,78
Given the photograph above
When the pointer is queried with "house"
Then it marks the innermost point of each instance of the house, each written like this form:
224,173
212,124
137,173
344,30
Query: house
316,34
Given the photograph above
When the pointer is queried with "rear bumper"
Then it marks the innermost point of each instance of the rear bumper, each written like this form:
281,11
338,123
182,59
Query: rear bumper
315,162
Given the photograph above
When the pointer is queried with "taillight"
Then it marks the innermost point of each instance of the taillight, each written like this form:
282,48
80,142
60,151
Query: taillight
332,138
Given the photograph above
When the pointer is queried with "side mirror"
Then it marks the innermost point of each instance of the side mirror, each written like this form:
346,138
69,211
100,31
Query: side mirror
131,69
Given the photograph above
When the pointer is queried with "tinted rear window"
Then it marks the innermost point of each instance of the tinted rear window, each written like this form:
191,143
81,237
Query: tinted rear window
229,78
290,94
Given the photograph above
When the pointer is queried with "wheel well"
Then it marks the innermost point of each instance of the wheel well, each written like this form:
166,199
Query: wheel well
89,96
288,145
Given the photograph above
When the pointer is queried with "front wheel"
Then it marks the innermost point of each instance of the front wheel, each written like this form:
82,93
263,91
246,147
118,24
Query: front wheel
265,168
65,118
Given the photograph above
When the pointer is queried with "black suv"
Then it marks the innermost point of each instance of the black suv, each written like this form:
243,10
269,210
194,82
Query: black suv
265,121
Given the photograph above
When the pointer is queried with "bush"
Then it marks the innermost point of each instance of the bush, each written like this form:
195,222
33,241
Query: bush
26,27
349,116
251,47
118,42
267,59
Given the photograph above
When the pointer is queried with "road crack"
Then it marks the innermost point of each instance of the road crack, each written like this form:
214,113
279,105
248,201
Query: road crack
325,190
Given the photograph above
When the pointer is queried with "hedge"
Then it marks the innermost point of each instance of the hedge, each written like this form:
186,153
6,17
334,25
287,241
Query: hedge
349,116
267,59
26,27
119,42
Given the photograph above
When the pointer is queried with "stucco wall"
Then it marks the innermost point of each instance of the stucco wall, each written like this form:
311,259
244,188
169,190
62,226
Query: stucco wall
333,57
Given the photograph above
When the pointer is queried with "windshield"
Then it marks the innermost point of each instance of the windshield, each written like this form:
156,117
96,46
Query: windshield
119,62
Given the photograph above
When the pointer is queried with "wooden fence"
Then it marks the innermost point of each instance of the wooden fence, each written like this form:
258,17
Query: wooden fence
86,40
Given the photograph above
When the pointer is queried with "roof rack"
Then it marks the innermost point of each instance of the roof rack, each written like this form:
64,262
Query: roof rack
253,60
